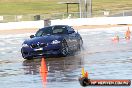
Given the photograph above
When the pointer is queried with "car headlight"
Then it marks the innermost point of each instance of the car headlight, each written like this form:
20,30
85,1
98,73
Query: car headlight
55,42
24,45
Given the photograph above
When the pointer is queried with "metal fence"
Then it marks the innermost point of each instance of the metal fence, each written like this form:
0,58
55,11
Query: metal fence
35,17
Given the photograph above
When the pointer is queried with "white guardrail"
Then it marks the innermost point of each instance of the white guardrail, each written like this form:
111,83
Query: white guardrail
71,22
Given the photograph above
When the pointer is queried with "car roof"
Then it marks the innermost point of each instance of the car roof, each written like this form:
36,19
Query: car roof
54,26
59,25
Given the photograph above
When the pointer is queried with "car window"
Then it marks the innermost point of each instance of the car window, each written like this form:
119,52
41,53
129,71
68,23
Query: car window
39,33
70,29
47,31
59,30
44,31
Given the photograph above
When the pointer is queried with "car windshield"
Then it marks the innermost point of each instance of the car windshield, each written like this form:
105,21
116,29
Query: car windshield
44,31
59,30
51,31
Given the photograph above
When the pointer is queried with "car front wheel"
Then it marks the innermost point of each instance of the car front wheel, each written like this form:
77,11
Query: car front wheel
26,57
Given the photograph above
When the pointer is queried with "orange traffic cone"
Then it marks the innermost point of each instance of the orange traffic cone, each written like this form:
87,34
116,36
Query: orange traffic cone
115,39
86,74
128,34
43,72
43,67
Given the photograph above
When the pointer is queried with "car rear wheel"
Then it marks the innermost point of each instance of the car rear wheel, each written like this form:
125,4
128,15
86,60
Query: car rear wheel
80,42
64,48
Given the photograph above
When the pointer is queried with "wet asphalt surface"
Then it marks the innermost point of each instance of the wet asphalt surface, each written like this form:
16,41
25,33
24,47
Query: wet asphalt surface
100,56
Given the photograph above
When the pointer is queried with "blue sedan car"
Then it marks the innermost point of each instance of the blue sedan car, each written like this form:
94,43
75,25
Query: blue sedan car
57,40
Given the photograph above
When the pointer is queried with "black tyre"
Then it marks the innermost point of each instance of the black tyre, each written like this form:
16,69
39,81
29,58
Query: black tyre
80,42
26,57
64,48
84,81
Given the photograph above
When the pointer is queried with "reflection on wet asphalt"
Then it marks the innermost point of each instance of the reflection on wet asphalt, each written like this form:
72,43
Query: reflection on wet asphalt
102,58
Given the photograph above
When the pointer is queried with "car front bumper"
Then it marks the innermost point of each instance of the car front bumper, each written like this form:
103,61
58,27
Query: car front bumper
41,51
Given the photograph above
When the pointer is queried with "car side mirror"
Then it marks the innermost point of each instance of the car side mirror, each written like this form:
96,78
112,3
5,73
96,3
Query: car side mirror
32,36
70,32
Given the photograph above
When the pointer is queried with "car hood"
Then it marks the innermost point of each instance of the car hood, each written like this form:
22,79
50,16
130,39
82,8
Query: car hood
43,39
